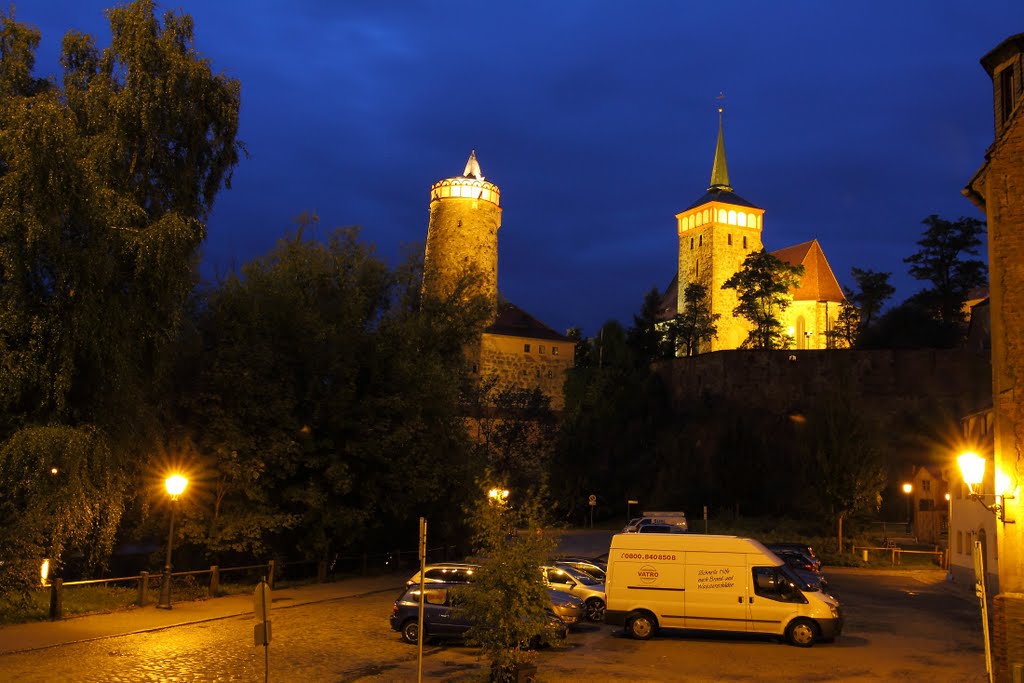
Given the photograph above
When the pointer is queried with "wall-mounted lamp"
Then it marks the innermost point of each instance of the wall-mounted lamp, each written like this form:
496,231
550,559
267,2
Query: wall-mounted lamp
972,467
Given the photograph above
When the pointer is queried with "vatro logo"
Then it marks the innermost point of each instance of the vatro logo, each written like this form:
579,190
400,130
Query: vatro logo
647,574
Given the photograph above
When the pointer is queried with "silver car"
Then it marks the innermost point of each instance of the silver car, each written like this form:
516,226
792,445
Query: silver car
569,608
577,584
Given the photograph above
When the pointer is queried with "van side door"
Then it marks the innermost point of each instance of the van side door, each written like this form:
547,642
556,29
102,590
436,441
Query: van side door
716,591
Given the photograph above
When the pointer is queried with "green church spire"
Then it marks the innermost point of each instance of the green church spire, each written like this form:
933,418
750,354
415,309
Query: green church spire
720,172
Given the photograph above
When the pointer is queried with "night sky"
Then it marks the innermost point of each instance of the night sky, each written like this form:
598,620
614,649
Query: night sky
848,122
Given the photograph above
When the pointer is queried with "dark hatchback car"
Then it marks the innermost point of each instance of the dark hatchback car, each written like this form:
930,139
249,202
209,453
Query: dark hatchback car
438,620
801,548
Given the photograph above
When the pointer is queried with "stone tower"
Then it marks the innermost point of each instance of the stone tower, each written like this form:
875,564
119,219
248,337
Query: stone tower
716,233
462,234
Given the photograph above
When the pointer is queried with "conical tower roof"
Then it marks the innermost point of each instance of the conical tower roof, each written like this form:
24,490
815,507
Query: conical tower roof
473,167
720,170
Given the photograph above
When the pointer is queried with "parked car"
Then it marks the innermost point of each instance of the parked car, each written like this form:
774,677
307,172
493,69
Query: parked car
674,518
804,568
569,608
439,621
582,586
448,572
659,529
593,568
803,548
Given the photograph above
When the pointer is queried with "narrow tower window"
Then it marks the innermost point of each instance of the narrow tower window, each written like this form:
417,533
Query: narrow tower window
700,241
744,241
730,239
1005,94
691,244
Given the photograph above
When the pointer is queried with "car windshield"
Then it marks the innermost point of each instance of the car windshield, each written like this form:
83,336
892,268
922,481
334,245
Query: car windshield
585,579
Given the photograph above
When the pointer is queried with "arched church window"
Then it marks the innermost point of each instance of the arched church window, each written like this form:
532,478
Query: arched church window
722,216
741,218
732,217
706,216
693,220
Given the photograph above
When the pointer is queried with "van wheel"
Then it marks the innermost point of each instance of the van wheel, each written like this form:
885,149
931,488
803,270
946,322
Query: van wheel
411,631
801,632
641,625
595,609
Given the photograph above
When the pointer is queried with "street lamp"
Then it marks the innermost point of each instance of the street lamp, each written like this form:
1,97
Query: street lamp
497,495
907,489
175,485
972,468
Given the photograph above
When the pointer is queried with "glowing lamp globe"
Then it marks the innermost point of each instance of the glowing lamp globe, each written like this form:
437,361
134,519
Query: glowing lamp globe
972,467
176,484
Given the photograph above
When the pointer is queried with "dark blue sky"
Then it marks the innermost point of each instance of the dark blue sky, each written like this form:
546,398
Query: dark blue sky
848,122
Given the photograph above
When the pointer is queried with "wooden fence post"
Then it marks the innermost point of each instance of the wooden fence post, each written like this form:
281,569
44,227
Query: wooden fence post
143,588
270,574
56,599
214,581
321,571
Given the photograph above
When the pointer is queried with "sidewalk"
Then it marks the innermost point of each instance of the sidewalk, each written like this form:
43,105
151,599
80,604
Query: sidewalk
43,634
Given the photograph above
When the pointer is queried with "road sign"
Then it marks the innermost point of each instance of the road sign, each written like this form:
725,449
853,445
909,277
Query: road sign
593,500
261,634
261,601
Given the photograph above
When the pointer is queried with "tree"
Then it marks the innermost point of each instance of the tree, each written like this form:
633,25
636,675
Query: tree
762,287
942,261
105,181
694,326
644,338
845,467
873,291
846,331
507,600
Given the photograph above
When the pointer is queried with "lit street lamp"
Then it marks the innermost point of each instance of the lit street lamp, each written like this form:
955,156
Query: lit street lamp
175,485
907,489
498,495
972,468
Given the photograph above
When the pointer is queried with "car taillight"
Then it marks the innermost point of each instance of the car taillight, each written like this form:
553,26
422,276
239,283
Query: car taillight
394,608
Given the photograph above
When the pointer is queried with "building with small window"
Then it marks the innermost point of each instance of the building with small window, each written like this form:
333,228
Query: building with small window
516,350
716,234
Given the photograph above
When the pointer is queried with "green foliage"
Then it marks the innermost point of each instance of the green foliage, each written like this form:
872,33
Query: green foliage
645,340
507,602
942,261
64,491
845,464
324,397
695,326
873,290
762,288
846,331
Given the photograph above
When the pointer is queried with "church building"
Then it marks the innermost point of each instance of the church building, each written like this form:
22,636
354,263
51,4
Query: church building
716,233
516,350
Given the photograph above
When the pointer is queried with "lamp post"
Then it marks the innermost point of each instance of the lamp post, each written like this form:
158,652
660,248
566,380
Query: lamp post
972,467
908,488
175,484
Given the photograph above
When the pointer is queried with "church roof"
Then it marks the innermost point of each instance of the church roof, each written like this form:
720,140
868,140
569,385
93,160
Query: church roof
724,196
818,282
513,321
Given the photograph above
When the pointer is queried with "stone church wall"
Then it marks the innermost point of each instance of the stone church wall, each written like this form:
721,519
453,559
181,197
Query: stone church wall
507,359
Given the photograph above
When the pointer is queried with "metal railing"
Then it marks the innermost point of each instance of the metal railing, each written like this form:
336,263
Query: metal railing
897,552
362,563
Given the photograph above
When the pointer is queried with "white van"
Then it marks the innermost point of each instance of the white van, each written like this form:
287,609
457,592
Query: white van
719,583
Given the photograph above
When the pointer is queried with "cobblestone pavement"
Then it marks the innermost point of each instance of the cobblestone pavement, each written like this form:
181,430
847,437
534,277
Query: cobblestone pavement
900,626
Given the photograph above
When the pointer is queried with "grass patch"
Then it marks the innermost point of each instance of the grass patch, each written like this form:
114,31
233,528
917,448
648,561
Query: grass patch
78,600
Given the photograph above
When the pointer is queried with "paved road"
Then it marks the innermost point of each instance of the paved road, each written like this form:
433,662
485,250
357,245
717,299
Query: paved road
900,625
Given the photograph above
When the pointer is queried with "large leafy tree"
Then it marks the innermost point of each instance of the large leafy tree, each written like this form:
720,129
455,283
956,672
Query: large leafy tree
846,465
106,179
846,331
324,396
873,290
762,287
943,260
644,338
694,326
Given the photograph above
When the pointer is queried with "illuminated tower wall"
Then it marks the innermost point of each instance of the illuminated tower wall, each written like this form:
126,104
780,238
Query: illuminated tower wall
462,234
716,234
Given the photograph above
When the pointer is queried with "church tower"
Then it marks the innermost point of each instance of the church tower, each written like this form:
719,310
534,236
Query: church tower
716,234
462,234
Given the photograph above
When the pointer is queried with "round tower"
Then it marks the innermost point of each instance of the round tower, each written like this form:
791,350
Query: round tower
462,235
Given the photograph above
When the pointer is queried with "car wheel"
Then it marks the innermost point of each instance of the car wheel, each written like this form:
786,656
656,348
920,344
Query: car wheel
641,626
801,632
411,631
595,609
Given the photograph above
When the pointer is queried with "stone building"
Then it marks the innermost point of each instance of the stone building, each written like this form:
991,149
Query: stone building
516,350
716,233
997,188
